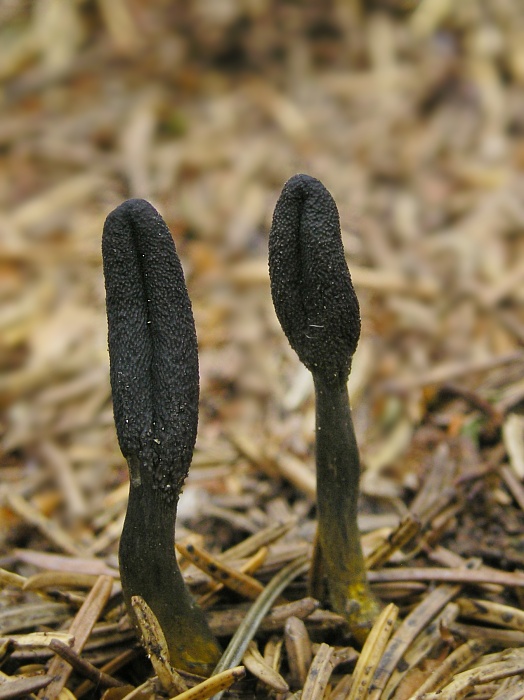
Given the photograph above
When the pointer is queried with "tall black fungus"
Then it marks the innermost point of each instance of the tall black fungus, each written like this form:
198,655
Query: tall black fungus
318,310
155,385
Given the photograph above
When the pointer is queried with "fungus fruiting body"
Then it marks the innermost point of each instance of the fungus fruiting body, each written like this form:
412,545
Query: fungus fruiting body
318,310
155,386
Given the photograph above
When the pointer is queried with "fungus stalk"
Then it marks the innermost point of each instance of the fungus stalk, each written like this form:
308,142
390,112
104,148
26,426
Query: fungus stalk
318,310
155,386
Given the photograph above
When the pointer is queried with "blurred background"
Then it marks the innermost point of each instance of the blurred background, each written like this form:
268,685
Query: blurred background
412,115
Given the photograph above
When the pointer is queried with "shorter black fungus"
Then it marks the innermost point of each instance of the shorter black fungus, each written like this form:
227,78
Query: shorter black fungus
318,310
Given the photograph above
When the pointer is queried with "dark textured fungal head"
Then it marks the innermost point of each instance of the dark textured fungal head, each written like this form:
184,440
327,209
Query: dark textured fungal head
311,286
152,345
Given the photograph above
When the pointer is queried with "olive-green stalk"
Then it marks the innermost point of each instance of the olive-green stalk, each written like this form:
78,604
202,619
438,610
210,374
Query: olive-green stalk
155,386
318,310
